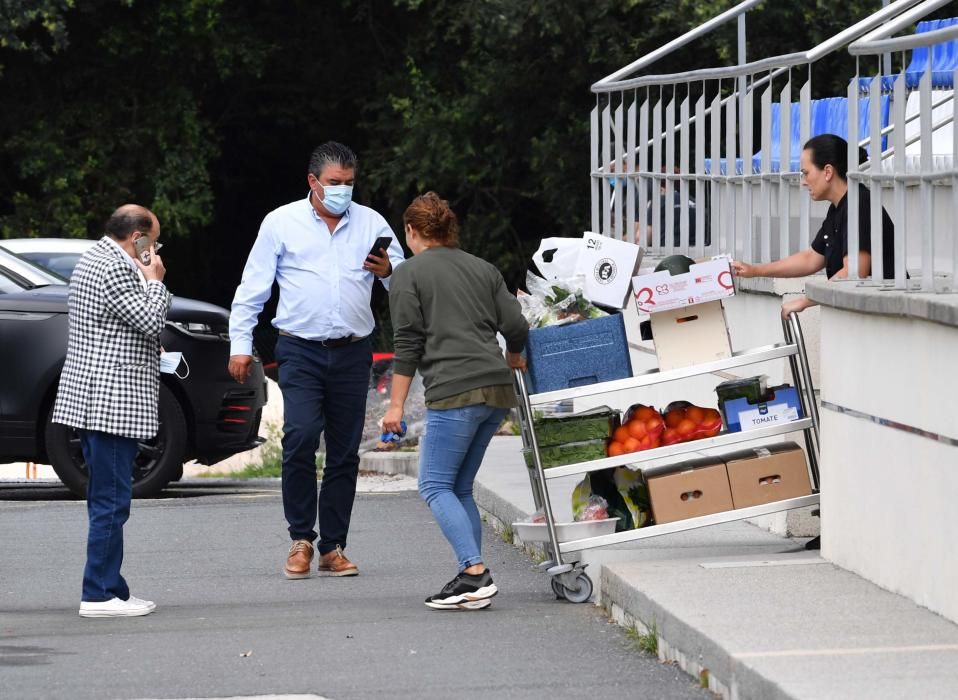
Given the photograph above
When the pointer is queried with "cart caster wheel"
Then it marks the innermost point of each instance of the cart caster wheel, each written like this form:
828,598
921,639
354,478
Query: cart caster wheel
557,588
582,592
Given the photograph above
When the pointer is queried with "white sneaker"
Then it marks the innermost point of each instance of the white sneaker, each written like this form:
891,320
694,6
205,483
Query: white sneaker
134,607
148,603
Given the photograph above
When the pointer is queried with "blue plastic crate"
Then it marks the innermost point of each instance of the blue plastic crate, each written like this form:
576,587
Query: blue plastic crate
578,354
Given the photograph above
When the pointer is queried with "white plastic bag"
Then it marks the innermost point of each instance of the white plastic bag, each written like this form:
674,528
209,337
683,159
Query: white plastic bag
558,258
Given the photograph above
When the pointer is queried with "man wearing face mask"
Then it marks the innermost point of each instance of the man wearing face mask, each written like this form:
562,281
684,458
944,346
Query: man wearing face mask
109,390
317,250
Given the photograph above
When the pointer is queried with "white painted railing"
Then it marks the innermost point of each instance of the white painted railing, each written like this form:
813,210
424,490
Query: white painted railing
675,167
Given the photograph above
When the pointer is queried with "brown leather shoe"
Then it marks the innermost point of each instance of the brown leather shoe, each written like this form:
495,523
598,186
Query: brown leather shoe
299,560
335,563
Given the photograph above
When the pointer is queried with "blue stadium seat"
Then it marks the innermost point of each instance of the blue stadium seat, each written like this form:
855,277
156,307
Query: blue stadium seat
944,60
829,115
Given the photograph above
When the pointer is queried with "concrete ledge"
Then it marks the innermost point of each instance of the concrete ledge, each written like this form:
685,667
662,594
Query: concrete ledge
390,462
847,295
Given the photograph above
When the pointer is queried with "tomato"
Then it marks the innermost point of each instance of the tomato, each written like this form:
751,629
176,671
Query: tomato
670,437
695,414
674,417
645,412
654,426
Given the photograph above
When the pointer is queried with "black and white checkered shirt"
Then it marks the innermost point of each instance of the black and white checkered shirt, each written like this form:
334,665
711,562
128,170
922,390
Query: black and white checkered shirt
111,377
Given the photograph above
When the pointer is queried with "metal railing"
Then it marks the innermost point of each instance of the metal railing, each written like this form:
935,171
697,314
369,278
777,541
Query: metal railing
683,143
924,185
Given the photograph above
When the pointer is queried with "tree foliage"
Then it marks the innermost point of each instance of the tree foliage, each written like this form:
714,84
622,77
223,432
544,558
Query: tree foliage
206,110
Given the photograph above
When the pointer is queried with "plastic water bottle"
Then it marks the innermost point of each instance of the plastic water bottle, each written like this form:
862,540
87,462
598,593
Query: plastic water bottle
390,436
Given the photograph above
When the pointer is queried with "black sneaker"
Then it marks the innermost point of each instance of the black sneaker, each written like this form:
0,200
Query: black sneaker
814,543
466,591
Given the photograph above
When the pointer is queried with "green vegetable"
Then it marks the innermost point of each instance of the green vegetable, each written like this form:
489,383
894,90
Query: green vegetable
595,424
571,453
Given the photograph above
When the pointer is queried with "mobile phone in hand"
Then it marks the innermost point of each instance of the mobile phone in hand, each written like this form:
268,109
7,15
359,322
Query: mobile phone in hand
380,246
142,246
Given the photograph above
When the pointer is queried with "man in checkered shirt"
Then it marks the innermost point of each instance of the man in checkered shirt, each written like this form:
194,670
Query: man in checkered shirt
109,390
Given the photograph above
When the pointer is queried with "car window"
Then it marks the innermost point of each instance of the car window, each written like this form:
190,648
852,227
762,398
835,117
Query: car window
59,263
32,273
7,284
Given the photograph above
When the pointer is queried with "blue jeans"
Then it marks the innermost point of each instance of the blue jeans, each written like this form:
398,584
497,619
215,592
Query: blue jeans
451,451
324,391
109,460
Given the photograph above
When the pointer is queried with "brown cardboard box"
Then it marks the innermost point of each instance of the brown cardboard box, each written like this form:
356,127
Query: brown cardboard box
766,474
686,490
690,335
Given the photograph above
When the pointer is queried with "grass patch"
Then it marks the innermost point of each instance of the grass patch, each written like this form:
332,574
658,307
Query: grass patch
270,464
647,642
507,535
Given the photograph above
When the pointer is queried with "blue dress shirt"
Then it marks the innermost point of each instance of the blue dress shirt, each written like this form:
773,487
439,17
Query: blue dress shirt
324,292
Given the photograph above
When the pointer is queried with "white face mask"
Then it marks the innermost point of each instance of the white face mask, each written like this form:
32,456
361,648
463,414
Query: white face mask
169,361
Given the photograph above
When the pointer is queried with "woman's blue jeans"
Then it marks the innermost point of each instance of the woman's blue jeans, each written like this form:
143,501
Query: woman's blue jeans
451,451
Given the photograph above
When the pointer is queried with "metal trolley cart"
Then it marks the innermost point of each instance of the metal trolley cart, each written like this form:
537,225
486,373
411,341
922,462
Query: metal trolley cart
569,580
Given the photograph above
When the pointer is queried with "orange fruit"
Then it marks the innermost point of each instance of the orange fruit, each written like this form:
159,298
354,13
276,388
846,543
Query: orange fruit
621,434
615,449
712,414
654,426
637,429
685,428
631,445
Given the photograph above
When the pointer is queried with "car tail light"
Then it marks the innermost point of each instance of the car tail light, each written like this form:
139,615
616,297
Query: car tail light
236,414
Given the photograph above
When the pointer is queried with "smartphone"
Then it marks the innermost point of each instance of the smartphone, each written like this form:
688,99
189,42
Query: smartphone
381,244
142,245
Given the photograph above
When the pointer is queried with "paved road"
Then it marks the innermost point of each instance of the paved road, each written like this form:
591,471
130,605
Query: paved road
229,624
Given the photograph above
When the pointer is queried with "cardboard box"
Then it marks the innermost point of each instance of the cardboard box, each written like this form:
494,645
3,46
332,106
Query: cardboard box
608,266
690,335
767,474
782,407
690,489
705,281
577,354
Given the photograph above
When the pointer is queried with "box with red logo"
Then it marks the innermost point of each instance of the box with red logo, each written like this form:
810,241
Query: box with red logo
705,281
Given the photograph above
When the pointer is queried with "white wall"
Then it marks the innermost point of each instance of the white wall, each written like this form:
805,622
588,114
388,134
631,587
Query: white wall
888,496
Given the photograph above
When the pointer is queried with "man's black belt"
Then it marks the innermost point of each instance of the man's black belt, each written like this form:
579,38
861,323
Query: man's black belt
330,342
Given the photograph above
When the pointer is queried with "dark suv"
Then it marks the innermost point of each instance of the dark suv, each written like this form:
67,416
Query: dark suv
206,417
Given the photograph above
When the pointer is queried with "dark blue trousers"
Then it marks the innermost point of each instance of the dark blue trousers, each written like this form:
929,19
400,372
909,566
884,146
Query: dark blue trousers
324,391
109,460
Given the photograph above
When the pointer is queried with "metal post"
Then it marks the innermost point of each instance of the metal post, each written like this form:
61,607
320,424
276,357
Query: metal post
540,472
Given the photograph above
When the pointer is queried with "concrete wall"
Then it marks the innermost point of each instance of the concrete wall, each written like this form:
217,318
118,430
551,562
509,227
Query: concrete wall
888,496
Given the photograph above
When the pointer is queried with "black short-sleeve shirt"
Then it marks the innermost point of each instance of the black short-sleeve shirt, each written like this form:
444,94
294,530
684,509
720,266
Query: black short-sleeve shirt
832,238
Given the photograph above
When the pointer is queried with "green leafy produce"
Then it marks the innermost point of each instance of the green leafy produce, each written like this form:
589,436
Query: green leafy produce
635,494
570,453
595,424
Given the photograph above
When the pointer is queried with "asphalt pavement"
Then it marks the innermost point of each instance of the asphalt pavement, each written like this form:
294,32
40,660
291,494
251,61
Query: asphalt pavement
228,624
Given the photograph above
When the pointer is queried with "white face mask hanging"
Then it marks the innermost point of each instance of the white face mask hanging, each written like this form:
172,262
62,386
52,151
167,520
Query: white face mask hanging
170,361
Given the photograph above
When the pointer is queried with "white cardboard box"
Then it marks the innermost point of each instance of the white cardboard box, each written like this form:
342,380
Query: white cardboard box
704,282
690,335
608,266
